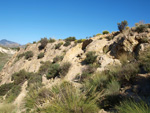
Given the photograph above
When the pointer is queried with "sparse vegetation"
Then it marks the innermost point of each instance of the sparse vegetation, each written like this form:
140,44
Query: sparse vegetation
44,67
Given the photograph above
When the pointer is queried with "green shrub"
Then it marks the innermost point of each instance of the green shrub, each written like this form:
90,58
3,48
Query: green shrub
41,55
90,57
141,28
53,71
109,38
65,68
105,32
67,43
57,46
13,93
98,34
144,60
44,68
58,59
122,25
5,88
68,99
34,79
70,39
131,106
51,40
44,42
20,77
28,54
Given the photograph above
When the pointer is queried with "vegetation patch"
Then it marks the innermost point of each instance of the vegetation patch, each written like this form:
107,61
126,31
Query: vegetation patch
44,42
57,46
90,57
5,88
70,39
41,55
65,68
58,59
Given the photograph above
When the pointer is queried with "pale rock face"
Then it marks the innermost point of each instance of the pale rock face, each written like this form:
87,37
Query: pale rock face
7,51
97,45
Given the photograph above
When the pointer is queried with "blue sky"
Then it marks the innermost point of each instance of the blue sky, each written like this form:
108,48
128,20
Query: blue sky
26,21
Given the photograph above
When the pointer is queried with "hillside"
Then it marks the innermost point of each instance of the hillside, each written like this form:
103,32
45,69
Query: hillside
98,75
7,43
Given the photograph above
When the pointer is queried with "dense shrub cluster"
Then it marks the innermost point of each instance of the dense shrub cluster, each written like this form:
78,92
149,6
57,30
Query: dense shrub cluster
80,40
90,57
44,67
122,25
41,55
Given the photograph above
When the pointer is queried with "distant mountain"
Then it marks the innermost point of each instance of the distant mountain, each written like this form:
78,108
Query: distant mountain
7,43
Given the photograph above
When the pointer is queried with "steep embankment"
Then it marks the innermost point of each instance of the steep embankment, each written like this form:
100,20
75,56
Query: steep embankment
81,59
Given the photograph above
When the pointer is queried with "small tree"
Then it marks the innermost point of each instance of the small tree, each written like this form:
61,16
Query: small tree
44,42
122,25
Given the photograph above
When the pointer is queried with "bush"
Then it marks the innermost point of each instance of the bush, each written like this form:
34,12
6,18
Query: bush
58,59
44,68
57,46
13,93
122,25
105,32
28,54
131,106
141,28
65,68
41,55
5,88
68,99
90,57
53,71
20,77
109,38
67,43
34,42
87,72
20,56
98,34
44,42
51,40
144,60
70,39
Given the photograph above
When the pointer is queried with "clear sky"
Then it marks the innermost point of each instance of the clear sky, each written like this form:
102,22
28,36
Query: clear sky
26,21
